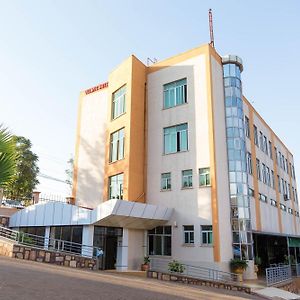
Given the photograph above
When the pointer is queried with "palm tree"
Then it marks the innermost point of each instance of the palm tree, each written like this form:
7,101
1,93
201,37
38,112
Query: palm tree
7,157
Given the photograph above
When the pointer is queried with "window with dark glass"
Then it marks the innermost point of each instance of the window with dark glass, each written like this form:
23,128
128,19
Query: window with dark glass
160,241
249,163
247,129
255,135
188,233
258,173
175,93
176,138
207,234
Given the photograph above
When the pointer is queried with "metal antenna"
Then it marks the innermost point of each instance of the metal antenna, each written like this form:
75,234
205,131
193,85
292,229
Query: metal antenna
211,28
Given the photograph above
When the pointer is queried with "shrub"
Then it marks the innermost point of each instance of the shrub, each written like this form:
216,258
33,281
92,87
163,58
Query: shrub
176,267
238,264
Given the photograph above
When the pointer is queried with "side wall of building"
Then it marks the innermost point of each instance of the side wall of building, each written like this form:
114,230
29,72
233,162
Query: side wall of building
90,150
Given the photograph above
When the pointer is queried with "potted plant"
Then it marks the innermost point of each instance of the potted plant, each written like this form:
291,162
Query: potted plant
238,266
257,261
145,265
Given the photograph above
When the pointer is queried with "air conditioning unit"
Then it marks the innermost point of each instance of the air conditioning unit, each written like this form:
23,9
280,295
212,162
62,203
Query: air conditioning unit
286,197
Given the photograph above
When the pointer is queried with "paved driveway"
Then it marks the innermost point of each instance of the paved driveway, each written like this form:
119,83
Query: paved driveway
26,280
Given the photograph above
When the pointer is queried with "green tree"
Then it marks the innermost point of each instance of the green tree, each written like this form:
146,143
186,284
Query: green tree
24,179
7,157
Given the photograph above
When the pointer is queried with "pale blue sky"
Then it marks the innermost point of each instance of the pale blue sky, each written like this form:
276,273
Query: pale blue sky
50,50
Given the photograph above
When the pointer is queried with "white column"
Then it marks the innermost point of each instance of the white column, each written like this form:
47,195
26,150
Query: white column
47,236
122,252
87,240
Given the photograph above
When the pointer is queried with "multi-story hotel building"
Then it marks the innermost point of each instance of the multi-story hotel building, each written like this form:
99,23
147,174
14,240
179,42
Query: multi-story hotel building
173,161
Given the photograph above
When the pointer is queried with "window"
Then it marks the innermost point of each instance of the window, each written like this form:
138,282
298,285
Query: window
296,196
118,102
258,169
280,159
270,150
282,207
176,139
255,135
264,175
279,185
188,232
273,202
261,141
272,179
297,213
293,193
268,176
293,172
265,145
290,211
175,93
207,234
116,186
276,153
249,163
117,145
204,177
160,241
165,182
247,129
289,191
263,198
187,178
286,166
251,192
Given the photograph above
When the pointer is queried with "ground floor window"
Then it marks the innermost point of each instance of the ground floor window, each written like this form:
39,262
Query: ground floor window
207,234
67,233
188,233
40,231
160,240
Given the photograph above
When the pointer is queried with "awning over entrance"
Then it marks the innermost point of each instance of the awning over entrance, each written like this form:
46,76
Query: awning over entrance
116,213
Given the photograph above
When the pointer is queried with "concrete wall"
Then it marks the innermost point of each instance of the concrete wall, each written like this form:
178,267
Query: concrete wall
91,142
270,217
192,206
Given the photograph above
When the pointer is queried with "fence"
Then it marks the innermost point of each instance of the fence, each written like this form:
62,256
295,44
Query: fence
279,274
42,242
161,265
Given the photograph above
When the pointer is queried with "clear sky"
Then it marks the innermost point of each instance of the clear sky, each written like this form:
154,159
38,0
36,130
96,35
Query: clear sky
50,50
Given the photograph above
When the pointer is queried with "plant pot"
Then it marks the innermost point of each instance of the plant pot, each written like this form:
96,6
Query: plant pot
238,270
145,267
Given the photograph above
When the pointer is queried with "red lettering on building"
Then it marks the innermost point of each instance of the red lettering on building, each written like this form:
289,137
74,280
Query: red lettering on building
96,88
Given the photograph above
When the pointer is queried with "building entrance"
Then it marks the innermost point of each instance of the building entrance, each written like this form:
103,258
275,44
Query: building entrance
106,239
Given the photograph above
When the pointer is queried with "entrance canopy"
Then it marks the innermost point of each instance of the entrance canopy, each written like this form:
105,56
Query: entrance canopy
116,213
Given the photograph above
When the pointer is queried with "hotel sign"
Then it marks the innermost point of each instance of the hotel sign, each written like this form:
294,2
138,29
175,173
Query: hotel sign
96,88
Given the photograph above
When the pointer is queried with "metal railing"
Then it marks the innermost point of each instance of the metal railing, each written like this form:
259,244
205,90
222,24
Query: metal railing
162,265
279,274
45,243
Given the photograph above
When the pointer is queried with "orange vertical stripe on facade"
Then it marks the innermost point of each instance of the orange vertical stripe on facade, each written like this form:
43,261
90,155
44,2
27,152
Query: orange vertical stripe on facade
276,182
131,73
75,173
214,192
255,179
